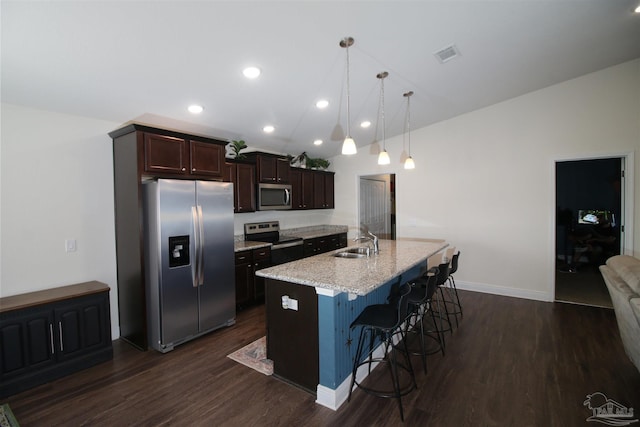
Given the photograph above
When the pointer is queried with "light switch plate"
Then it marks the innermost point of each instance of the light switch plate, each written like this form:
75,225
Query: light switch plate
70,245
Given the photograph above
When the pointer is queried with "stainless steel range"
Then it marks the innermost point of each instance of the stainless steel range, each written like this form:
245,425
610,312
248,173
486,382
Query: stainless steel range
283,248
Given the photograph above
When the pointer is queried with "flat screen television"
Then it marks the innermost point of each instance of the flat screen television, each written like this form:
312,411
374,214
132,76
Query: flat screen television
595,217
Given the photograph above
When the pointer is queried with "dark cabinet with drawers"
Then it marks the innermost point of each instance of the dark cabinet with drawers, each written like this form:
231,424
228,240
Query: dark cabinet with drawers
322,244
249,287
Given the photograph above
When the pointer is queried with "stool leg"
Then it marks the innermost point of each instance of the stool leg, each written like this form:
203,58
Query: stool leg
455,290
438,333
356,362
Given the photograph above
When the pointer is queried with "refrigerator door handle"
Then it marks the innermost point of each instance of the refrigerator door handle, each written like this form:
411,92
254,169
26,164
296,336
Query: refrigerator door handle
201,249
196,235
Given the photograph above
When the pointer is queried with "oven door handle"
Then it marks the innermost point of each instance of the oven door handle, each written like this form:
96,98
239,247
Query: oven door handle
287,245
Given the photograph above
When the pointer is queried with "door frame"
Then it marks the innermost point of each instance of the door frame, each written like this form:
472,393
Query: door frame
627,208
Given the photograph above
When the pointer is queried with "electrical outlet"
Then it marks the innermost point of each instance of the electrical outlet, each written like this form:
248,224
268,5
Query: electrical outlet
70,245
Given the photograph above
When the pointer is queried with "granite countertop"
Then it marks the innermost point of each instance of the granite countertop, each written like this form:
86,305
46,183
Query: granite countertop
357,276
305,232
246,245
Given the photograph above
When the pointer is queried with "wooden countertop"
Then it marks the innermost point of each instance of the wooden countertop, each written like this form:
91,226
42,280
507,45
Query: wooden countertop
16,302
357,276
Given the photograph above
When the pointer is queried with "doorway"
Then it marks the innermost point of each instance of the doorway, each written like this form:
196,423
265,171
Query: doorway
589,224
377,208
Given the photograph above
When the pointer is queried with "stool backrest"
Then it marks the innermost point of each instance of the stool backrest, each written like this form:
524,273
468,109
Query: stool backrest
443,273
398,297
454,263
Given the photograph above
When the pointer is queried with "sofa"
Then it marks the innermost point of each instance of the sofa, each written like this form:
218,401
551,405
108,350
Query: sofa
621,273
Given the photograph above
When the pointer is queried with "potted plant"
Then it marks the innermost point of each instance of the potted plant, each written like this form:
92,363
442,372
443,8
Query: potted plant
236,146
317,163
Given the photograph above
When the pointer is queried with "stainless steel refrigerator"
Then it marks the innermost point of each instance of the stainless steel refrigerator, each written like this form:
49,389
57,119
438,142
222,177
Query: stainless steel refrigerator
189,271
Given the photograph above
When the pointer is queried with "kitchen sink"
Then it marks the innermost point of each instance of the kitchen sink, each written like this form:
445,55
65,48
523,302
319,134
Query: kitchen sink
359,252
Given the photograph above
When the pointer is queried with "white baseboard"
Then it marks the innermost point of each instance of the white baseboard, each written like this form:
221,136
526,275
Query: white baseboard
333,399
502,290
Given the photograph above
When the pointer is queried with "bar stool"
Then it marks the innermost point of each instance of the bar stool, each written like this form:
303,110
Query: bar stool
420,306
452,284
381,323
443,311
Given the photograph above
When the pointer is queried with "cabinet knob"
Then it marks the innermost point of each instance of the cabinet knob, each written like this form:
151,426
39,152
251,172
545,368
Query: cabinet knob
184,169
193,170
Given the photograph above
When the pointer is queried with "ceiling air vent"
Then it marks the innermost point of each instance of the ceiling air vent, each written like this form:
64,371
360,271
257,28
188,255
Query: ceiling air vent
447,53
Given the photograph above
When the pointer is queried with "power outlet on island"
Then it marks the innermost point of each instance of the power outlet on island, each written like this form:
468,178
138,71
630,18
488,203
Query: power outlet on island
70,245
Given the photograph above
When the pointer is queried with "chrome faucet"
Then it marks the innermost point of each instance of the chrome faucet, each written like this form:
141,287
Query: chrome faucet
370,237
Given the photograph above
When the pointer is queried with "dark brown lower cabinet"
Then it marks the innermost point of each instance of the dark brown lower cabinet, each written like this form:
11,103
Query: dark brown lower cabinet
49,334
292,335
249,287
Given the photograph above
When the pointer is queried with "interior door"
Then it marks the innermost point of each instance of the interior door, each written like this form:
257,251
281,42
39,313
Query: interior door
375,211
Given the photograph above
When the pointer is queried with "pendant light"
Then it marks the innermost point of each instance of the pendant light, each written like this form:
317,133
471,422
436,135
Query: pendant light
409,163
383,157
349,145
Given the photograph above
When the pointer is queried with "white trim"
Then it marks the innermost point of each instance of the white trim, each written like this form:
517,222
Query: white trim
506,291
333,399
327,292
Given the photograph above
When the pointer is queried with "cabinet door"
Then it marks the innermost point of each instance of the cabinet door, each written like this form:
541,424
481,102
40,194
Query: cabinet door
318,190
244,277
80,327
26,342
307,190
165,154
245,188
261,259
310,247
329,192
267,169
283,169
295,177
207,159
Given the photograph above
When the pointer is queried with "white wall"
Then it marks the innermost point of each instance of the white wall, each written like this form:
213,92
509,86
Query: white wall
56,184
485,180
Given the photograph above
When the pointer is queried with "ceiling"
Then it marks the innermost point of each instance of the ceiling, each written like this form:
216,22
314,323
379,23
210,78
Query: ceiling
146,61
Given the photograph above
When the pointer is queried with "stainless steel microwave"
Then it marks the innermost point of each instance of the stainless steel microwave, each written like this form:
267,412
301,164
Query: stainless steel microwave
274,197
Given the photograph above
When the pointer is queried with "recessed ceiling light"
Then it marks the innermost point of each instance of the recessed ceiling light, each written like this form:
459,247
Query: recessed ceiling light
637,10
195,109
317,142
251,72
268,129
323,103
365,124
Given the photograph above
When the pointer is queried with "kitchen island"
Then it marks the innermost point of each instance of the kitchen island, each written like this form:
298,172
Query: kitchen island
310,304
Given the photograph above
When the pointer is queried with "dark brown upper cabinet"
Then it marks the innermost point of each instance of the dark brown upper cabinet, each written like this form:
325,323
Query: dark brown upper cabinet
172,155
272,169
242,175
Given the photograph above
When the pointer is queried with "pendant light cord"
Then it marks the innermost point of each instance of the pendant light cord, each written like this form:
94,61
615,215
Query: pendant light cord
409,122
384,133
348,96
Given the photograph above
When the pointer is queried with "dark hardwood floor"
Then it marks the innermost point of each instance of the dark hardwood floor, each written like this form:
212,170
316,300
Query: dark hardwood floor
511,362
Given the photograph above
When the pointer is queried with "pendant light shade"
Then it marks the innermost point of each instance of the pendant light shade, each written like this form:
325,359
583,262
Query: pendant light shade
409,163
349,145
383,157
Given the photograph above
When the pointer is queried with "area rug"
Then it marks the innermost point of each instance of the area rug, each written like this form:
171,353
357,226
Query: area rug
7,419
254,356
